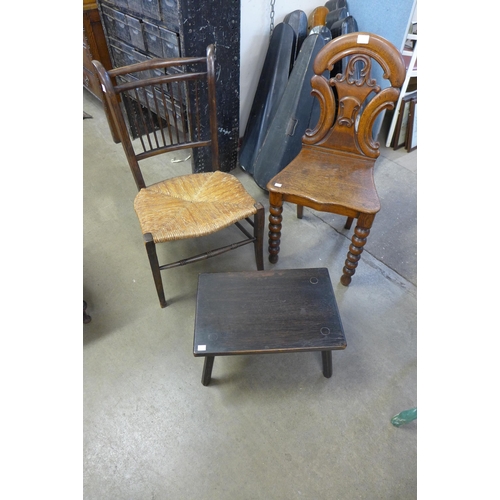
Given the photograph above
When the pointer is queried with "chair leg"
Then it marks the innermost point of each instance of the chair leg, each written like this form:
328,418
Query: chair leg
275,218
300,211
155,267
358,241
258,232
348,223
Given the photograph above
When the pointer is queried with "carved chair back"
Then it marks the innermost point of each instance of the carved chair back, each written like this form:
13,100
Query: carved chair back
170,105
351,100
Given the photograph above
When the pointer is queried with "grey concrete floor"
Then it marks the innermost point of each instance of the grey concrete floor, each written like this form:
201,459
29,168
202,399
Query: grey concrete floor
268,427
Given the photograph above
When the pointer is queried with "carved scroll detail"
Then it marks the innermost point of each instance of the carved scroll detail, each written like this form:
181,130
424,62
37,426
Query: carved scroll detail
322,91
394,72
348,109
383,100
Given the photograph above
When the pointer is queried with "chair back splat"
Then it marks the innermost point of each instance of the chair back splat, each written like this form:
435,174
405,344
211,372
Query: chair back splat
346,124
165,97
171,106
334,170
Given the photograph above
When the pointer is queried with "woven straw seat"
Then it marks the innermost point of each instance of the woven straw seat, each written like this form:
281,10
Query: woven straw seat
192,205
170,105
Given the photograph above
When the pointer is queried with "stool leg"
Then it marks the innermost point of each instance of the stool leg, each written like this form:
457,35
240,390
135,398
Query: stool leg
258,231
207,370
327,363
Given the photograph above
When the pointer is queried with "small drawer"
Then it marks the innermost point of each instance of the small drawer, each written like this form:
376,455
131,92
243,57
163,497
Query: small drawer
146,8
117,24
135,6
170,43
151,8
169,10
135,32
123,54
118,55
152,39
108,20
120,3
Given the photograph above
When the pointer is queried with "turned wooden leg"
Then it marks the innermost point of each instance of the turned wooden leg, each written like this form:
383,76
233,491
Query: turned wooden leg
258,232
358,241
207,370
155,267
275,218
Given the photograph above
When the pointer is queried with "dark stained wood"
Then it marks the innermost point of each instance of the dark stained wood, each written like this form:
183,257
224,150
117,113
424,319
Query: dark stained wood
334,170
267,312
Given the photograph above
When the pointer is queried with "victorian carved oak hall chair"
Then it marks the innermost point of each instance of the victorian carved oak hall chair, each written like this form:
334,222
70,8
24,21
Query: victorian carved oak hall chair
334,170
173,107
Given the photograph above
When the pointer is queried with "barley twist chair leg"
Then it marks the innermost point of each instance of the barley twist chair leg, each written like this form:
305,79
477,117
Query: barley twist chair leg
275,219
358,241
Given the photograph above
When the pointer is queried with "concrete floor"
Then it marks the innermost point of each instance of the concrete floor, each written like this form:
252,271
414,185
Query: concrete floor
268,427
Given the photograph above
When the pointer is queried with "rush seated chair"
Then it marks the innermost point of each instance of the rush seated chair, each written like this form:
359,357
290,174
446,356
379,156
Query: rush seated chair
334,170
173,107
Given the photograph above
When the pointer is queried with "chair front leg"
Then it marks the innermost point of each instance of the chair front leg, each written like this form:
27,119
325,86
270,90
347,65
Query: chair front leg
155,267
275,218
358,241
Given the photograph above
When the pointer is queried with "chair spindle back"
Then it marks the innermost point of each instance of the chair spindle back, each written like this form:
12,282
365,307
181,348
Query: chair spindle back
163,105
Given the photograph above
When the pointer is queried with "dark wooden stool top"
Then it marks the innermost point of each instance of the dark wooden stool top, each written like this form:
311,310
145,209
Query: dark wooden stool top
262,312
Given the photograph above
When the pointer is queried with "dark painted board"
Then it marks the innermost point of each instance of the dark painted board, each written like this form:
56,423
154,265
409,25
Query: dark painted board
260,312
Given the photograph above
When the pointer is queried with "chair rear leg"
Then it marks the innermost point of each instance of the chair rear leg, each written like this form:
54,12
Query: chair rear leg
258,232
358,241
348,223
155,267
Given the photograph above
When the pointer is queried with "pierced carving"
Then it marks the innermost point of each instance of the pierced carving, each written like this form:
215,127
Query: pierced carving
348,109
322,91
383,100
358,72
